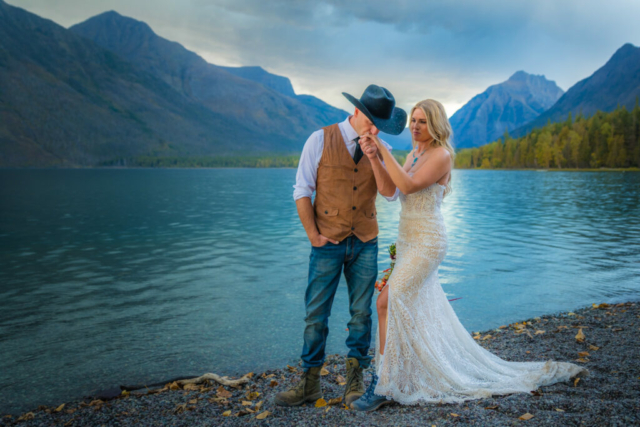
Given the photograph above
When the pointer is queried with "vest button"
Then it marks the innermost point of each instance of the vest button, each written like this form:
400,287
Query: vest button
355,188
355,170
354,208
353,228
326,212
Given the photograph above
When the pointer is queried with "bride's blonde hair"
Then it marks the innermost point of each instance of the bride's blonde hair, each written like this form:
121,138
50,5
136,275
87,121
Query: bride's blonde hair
439,128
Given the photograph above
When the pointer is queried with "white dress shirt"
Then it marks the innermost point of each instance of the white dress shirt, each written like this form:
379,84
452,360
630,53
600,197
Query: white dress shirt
310,159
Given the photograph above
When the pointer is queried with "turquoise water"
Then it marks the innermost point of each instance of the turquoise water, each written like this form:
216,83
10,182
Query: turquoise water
112,277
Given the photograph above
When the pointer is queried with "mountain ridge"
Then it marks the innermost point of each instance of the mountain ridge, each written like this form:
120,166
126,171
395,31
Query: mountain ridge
221,89
503,106
617,82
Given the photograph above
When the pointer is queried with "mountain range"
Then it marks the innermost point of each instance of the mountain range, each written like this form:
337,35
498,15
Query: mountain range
67,100
525,101
508,105
110,89
616,83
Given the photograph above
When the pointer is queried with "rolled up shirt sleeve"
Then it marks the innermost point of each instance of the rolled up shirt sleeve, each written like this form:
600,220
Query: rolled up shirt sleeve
395,195
308,166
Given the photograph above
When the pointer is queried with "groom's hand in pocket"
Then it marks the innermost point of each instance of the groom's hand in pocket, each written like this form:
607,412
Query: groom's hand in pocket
319,240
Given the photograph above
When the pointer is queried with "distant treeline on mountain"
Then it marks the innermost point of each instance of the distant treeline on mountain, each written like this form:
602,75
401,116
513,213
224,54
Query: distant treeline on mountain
264,161
610,140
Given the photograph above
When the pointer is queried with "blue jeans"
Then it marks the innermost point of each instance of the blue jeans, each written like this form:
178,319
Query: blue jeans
360,262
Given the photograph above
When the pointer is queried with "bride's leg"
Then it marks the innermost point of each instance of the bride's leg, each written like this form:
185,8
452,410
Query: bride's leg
381,306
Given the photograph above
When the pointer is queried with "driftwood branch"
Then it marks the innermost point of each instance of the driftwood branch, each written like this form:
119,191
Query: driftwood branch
181,382
217,378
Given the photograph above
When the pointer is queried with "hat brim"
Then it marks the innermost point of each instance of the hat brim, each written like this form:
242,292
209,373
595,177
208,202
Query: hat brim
394,125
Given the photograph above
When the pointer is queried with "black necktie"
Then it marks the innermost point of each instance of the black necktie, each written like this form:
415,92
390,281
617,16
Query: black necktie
358,153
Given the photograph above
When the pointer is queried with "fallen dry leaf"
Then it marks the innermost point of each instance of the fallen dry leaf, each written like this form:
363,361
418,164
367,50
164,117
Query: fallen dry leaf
253,395
486,337
320,403
340,380
539,332
583,354
581,360
258,405
525,417
263,415
492,407
249,375
59,408
273,383
580,336
324,371
243,413
575,382
594,348
336,401
559,410
174,386
193,401
27,416
454,415
291,368
502,327
222,392
246,403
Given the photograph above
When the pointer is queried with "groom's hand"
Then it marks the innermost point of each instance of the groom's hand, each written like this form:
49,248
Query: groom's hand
369,147
320,240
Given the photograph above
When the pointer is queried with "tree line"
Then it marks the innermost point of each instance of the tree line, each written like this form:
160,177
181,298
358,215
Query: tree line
266,161
609,140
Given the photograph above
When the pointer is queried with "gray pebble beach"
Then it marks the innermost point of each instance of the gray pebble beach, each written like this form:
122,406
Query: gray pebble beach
609,395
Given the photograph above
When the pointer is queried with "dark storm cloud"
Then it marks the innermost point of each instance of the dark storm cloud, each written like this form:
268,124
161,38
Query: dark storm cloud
439,49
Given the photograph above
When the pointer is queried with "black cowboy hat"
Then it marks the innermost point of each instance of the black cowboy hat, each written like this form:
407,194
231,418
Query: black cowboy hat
379,106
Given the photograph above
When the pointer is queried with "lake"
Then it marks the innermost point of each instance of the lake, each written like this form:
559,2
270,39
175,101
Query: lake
127,276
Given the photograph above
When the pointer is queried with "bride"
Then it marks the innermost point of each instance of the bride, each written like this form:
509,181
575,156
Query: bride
423,353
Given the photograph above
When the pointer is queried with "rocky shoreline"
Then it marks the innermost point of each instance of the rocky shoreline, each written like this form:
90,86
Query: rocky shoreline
604,338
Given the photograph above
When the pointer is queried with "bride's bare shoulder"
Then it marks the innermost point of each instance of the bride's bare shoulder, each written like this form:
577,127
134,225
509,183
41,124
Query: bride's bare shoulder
440,155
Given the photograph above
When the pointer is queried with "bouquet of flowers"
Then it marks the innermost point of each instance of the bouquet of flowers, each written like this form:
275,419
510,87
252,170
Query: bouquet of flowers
380,284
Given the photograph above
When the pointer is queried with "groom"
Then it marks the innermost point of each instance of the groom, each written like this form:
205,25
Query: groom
342,228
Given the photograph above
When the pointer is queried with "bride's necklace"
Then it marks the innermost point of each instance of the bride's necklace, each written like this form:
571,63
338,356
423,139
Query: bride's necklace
415,158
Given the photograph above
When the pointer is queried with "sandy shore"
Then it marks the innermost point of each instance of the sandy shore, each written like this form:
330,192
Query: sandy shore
609,395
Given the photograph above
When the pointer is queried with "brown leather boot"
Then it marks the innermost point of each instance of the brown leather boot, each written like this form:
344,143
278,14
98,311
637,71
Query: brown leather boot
308,389
355,384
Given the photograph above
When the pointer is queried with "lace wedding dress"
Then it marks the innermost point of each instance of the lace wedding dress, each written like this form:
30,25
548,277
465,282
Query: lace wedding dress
429,356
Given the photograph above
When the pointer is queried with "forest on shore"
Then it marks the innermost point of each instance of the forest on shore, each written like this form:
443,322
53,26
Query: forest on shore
264,161
604,140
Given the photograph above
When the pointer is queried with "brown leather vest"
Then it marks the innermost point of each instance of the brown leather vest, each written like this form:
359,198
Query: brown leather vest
346,193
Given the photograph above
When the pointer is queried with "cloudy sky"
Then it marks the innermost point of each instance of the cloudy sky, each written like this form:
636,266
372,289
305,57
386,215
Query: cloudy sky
446,50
